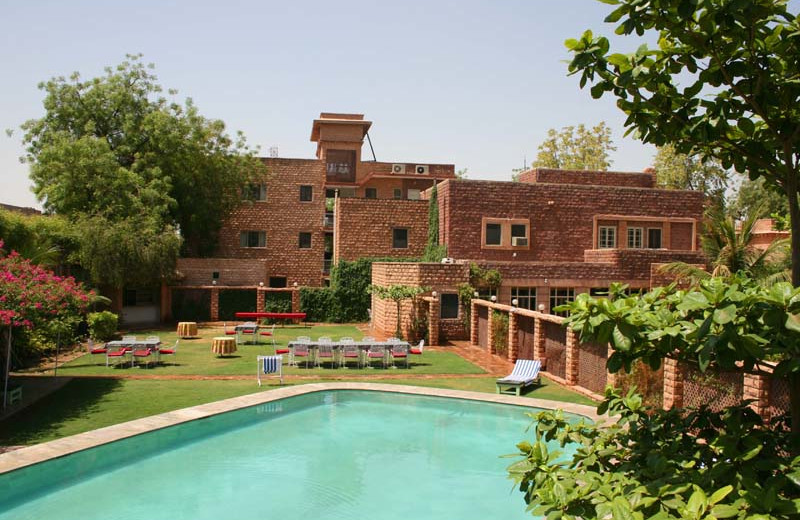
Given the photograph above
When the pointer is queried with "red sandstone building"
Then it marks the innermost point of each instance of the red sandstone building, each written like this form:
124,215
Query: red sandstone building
551,235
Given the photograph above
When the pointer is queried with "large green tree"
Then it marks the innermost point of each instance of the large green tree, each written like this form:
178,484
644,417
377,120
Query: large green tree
757,195
722,82
114,153
576,148
680,171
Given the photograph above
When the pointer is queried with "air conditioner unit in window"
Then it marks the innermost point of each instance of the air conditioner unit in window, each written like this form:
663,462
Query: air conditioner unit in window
421,169
519,241
399,168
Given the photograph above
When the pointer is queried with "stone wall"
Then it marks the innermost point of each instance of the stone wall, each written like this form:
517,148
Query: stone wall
363,228
588,177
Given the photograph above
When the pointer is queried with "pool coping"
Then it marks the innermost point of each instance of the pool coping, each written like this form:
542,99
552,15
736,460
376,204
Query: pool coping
45,451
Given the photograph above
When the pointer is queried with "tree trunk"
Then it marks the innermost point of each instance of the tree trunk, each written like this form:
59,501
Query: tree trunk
398,330
794,378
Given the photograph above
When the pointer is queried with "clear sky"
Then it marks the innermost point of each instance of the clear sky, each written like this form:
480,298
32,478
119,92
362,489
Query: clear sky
474,83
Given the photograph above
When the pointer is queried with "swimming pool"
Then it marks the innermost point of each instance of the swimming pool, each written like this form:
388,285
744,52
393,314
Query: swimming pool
322,455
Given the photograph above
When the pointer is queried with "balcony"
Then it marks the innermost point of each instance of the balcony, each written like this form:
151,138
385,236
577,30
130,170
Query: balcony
327,221
326,266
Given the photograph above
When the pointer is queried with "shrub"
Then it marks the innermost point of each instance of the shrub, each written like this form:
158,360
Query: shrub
319,304
500,332
102,325
191,304
232,301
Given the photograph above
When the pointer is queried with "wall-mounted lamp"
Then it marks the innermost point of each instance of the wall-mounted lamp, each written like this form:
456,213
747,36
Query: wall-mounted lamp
476,294
493,298
514,302
213,282
295,284
433,293
261,284
541,307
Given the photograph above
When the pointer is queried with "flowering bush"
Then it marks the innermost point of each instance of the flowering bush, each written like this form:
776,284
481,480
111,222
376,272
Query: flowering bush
34,297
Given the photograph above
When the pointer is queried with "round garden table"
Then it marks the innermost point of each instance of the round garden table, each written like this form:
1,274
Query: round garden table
223,345
187,329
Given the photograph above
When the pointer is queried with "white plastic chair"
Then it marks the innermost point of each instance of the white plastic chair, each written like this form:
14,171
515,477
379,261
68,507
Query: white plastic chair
376,352
399,352
168,351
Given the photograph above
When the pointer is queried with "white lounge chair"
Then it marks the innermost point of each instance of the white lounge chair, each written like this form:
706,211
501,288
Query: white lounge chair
525,373
269,365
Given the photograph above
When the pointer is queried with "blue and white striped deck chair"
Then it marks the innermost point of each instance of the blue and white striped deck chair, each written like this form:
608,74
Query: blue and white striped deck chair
526,372
269,365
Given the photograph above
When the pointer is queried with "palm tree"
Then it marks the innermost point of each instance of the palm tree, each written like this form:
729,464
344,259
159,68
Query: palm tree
729,246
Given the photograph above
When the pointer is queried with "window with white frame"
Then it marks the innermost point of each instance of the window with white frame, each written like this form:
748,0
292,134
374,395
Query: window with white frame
561,296
635,237
525,296
607,237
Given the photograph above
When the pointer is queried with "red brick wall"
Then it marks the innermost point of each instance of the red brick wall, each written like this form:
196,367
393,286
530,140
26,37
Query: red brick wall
561,216
363,228
438,277
283,217
588,177
232,271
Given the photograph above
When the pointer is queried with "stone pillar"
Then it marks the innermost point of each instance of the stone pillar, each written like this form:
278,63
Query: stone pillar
489,336
260,298
756,387
166,303
473,323
611,379
214,304
433,321
539,351
295,300
573,357
513,336
674,375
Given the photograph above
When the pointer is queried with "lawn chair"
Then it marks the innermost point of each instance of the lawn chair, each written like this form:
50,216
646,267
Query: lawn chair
525,373
140,354
269,365
96,350
301,351
270,333
418,350
120,354
325,352
348,352
399,351
168,351
376,352
227,332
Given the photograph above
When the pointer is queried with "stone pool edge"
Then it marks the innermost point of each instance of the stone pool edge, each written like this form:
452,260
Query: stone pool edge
30,455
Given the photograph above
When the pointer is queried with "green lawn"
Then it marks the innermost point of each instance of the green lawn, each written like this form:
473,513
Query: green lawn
195,357
86,404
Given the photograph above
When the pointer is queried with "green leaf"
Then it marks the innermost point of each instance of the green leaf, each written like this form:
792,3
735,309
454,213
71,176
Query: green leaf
725,314
793,322
746,125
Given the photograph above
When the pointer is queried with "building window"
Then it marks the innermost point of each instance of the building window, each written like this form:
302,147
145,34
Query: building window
519,235
255,192
486,293
139,297
561,296
448,309
306,193
398,193
277,282
400,238
371,193
414,194
341,165
305,241
525,296
607,237
253,239
635,237
654,238
494,234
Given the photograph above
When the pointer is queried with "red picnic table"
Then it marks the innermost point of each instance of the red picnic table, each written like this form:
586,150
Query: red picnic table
272,315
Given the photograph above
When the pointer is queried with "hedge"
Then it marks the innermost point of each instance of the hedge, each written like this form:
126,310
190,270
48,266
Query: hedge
191,304
232,301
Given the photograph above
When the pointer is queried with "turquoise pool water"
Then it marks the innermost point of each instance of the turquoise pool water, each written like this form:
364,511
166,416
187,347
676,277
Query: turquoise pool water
325,455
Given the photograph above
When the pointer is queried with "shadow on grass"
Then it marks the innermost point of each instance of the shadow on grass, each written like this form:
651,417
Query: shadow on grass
42,419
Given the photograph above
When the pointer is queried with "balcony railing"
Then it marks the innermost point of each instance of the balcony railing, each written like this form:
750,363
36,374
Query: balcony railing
326,266
327,221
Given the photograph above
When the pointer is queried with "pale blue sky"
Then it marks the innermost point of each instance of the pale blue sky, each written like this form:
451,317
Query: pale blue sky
474,83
